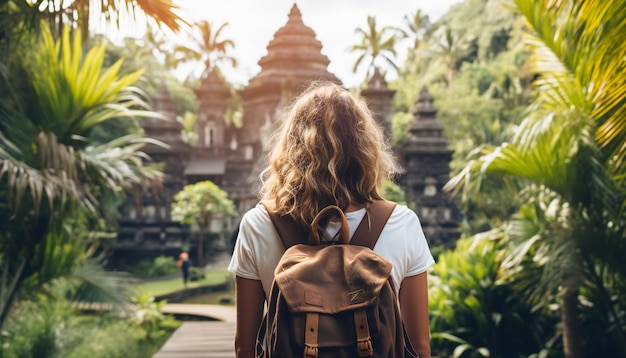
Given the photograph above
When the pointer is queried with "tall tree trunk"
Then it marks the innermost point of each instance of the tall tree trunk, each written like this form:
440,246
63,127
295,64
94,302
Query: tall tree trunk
32,233
613,313
570,319
200,247
83,20
5,305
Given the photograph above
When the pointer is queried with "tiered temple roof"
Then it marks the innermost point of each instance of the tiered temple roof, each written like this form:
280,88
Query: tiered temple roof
293,54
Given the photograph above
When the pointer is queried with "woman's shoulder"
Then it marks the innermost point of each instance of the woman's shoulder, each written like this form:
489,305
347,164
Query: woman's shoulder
257,215
403,212
258,211
404,219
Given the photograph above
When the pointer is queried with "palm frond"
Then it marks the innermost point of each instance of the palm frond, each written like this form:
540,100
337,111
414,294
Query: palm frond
92,284
162,12
120,164
55,184
358,61
545,151
580,50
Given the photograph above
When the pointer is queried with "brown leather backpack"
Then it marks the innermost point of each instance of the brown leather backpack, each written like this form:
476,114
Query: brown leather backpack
333,300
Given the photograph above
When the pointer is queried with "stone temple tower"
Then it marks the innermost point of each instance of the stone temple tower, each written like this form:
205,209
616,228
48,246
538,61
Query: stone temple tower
426,160
378,97
213,95
293,58
208,158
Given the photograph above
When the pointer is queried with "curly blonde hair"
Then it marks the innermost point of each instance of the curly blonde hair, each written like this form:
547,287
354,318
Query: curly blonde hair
328,151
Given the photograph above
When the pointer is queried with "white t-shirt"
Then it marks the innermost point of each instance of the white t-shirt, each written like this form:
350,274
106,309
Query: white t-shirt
258,248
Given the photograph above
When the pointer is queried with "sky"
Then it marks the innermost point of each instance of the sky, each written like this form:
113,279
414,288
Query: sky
253,23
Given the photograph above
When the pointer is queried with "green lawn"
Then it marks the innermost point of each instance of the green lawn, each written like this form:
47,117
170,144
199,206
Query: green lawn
161,287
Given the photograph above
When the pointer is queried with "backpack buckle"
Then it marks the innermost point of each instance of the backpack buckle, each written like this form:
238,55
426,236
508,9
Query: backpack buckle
365,347
310,352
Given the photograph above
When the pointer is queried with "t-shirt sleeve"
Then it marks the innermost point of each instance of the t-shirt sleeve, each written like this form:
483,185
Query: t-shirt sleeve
420,258
243,262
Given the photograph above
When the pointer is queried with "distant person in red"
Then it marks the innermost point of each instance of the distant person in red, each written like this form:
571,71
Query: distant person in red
184,263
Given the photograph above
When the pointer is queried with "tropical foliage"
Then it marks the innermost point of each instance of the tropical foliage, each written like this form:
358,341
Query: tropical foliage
139,54
63,172
393,192
53,327
19,17
50,169
567,237
527,109
474,311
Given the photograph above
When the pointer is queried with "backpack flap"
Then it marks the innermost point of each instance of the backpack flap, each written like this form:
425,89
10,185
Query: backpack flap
330,279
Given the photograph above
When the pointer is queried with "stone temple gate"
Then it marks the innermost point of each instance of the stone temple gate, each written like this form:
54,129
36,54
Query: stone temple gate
232,157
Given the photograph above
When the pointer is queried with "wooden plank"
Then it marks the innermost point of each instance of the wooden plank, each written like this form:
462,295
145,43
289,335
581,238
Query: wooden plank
199,340
217,312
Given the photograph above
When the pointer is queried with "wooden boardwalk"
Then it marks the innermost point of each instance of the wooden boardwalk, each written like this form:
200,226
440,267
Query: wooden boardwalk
216,312
200,340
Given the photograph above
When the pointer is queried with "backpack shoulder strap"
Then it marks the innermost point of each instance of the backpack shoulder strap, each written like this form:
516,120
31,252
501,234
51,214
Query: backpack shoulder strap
287,228
366,234
372,224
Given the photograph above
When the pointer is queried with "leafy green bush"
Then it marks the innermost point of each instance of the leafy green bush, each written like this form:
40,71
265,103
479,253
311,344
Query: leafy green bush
109,337
473,313
50,328
35,330
196,274
159,266
163,265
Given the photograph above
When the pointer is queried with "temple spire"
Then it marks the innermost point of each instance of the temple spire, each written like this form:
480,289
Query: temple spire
293,52
294,13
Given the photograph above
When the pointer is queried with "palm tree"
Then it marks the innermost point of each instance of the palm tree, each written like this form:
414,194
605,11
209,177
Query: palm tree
208,47
50,168
448,47
416,24
156,40
376,44
569,153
